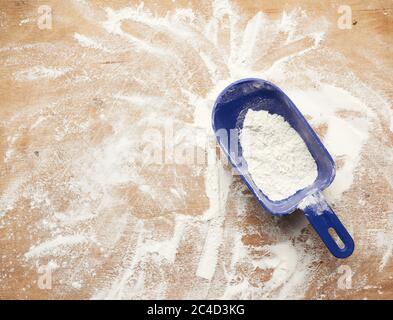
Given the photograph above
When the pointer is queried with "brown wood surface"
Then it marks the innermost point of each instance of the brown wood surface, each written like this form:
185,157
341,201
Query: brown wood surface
54,132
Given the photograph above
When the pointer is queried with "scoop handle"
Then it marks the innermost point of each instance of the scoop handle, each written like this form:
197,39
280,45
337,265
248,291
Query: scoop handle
322,218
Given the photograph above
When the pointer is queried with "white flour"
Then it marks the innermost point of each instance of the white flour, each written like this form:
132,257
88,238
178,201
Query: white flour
40,72
277,157
99,214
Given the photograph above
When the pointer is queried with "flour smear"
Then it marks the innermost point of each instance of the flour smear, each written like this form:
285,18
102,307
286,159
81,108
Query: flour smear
117,229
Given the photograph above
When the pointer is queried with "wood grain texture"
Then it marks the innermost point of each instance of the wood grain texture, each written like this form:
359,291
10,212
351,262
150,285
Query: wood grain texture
71,113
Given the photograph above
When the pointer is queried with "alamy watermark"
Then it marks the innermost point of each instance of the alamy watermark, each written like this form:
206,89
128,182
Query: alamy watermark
44,21
189,146
345,19
45,276
345,280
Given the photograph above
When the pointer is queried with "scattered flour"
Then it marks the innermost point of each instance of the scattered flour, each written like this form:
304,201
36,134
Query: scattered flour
49,246
40,72
345,136
277,157
102,224
88,42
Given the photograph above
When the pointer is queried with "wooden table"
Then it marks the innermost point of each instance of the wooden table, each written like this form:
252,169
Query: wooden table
86,84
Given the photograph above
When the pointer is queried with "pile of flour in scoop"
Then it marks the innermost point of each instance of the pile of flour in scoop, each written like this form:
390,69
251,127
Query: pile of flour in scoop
277,157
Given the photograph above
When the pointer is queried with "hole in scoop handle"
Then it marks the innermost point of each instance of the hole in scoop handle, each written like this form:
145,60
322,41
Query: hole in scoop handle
322,218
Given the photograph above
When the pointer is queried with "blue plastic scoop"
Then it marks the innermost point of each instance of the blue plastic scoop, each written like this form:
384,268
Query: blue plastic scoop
228,116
